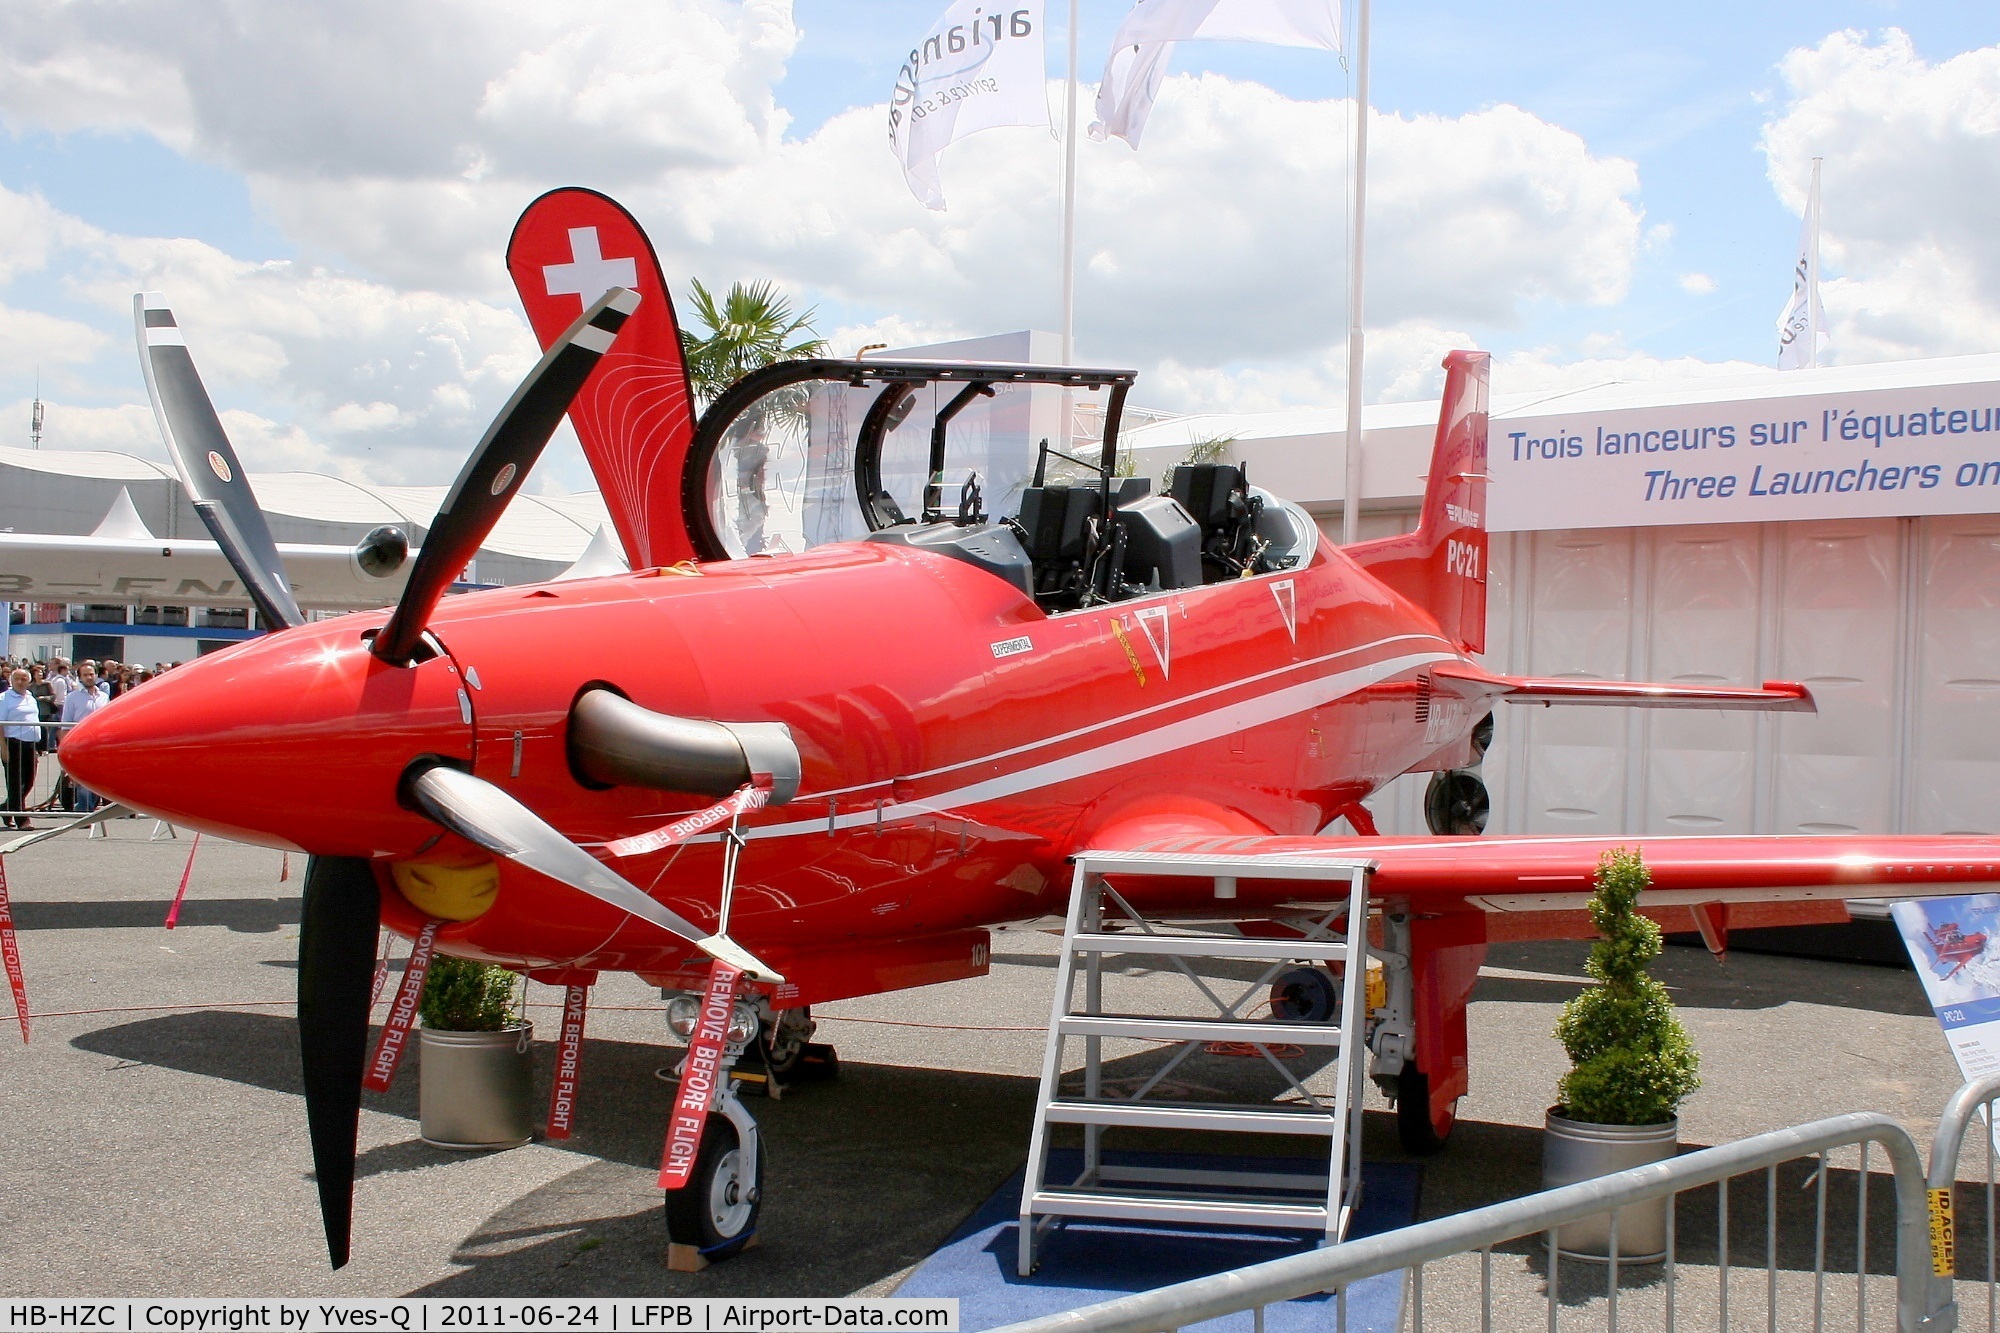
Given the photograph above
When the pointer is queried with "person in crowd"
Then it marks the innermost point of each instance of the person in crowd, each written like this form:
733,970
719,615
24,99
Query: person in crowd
45,702
20,719
60,681
83,701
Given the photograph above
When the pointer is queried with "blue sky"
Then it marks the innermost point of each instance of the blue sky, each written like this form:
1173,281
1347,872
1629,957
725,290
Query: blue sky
366,214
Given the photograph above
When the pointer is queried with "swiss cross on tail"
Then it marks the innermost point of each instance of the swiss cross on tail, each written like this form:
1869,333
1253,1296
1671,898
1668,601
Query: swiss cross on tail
635,415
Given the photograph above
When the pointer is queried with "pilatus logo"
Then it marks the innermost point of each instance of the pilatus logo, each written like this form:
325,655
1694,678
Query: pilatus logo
219,467
503,479
1461,515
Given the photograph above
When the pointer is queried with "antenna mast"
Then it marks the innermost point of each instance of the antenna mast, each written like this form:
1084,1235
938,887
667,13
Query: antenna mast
35,416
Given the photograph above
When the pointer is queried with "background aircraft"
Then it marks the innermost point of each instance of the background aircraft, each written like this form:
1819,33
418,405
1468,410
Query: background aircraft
939,713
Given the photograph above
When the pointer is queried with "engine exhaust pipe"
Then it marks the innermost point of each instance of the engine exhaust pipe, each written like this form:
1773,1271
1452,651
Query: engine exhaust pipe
614,742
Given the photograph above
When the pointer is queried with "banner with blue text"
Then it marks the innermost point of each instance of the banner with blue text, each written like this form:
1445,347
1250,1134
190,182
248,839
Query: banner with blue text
1873,453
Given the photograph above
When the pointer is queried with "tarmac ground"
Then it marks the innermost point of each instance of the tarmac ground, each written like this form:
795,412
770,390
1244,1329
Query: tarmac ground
154,1140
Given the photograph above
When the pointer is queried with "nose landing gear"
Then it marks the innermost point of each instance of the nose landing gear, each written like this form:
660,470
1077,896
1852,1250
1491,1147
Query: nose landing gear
715,1214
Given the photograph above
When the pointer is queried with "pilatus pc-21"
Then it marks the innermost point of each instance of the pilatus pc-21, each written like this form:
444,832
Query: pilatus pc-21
920,657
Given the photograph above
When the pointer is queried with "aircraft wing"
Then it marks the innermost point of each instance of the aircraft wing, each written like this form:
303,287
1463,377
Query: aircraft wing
39,568
1533,887
635,414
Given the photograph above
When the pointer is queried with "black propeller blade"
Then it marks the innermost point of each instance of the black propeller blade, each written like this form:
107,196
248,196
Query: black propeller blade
340,919
488,481
483,814
215,481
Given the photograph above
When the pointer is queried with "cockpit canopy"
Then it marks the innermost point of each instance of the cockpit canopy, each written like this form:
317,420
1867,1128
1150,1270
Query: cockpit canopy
1013,468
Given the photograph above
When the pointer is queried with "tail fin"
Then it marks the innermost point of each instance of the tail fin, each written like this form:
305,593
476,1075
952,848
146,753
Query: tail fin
1442,565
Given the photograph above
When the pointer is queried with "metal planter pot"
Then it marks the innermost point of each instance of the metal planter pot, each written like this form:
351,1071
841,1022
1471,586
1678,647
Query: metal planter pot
475,1090
1574,1150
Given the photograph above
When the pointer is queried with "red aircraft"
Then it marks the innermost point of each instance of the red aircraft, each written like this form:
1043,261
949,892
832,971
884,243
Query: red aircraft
942,684
1954,948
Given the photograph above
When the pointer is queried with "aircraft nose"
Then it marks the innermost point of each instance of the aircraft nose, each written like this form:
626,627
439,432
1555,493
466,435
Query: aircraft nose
295,740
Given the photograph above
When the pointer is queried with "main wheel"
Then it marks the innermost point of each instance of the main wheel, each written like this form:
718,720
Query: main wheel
1305,995
716,1211
783,1039
1456,803
1421,1133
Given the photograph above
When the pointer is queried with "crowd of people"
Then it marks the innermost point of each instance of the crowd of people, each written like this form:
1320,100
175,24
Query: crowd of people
42,698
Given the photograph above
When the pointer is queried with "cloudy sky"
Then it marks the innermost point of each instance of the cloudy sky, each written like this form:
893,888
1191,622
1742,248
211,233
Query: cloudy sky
1590,191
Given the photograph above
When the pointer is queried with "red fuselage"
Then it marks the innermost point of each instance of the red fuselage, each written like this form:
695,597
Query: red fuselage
957,743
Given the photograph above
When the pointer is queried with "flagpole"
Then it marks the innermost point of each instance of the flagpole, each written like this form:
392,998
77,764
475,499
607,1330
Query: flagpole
1069,228
1350,501
1812,275
1069,197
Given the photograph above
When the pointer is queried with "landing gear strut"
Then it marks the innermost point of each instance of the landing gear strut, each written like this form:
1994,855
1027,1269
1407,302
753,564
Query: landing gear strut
715,1214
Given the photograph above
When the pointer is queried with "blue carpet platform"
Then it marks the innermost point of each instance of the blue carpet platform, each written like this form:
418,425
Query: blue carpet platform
1090,1261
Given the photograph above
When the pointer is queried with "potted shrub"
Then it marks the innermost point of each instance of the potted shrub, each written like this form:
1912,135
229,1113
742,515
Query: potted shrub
1631,1067
475,1084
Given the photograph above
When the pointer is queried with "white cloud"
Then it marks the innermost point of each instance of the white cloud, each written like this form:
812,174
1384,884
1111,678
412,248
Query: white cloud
405,140
127,428
1697,284
1911,186
404,379
28,337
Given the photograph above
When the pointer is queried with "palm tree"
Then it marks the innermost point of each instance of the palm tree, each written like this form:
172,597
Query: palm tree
751,328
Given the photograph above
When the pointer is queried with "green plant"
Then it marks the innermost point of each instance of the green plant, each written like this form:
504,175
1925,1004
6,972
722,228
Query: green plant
749,328
1214,449
1631,1060
463,996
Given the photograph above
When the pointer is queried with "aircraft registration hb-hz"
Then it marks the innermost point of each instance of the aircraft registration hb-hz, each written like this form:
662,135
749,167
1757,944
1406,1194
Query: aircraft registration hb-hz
923,660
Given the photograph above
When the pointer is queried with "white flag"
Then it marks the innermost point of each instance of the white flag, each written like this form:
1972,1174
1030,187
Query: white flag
1138,63
975,70
1802,325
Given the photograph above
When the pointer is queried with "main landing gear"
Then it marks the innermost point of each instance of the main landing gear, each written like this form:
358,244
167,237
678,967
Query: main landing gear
1455,802
715,1214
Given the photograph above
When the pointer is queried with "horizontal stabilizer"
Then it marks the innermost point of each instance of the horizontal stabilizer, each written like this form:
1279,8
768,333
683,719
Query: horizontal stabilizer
1775,696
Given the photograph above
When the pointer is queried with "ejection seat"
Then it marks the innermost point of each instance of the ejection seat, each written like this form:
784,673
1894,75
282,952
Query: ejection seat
1240,533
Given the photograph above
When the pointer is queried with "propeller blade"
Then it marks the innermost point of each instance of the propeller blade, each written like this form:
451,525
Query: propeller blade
488,481
482,814
338,925
216,483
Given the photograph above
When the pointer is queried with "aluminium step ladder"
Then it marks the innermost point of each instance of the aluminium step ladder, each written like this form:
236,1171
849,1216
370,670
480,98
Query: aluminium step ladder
1335,932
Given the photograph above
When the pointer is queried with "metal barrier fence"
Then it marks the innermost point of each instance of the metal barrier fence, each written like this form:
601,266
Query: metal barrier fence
1967,1207
51,794
1818,1283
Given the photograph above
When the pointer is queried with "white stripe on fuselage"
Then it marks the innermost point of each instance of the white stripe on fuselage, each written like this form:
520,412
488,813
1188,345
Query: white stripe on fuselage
1212,725
1062,738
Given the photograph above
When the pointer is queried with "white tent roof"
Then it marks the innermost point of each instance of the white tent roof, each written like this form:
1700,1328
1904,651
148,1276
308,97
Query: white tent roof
535,527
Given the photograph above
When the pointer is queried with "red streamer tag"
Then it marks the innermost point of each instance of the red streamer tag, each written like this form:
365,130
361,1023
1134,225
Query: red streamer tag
701,1076
10,953
742,802
396,1032
569,1062
381,972
187,873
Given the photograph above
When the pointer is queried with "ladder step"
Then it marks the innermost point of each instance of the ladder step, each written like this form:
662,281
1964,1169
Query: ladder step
1158,1208
1170,1115
1254,1031
1209,946
1263,865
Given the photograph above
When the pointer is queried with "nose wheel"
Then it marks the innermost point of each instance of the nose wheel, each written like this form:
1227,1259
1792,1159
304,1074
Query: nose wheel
715,1214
